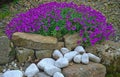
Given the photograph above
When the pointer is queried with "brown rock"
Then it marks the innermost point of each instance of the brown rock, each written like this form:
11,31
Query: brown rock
71,40
34,41
60,45
109,52
24,54
80,70
40,54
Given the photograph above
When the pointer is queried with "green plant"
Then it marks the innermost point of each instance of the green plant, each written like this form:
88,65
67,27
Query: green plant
4,11
60,18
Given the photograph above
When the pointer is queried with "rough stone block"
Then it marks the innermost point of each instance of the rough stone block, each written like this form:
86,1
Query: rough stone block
71,40
34,41
4,49
23,54
80,70
40,54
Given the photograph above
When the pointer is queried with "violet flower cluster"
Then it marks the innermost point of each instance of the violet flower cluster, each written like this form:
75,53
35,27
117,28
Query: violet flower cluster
59,18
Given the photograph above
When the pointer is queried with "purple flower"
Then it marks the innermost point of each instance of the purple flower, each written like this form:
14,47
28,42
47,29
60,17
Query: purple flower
84,39
73,18
78,42
57,28
73,27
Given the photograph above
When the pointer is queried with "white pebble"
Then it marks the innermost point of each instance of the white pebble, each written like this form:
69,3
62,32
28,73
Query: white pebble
62,62
58,74
31,70
77,58
50,70
85,58
57,54
94,58
13,73
64,50
70,55
79,49
44,62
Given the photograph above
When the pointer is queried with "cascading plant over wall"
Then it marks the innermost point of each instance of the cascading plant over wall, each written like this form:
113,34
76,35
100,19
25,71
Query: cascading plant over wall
60,18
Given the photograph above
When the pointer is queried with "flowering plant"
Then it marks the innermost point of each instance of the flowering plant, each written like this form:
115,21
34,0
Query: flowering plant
59,18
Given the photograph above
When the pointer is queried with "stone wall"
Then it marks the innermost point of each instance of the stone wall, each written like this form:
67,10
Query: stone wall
29,48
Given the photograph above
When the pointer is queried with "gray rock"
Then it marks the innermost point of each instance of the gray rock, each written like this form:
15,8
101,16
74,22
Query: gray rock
23,54
81,70
70,55
64,50
4,49
62,62
34,41
13,73
57,54
45,62
31,70
94,58
41,74
1,74
79,49
51,69
85,58
77,58
58,74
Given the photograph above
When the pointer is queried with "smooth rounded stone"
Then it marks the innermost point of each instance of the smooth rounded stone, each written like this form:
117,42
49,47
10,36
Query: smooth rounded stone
31,70
50,70
58,74
94,58
45,62
64,50
1,74
13,73
57,54
85,58
62,62
70,55
79,49
77,58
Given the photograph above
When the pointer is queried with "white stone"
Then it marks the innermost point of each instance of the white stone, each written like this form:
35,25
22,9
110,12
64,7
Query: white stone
31,70
79,49
44,62
50,70
13,73
62,62
57,54
70,55
94,58
64,50
85,58
58,74
1,74
77,58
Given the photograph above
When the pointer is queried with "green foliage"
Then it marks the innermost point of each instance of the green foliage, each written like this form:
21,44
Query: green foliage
4,11
115,74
